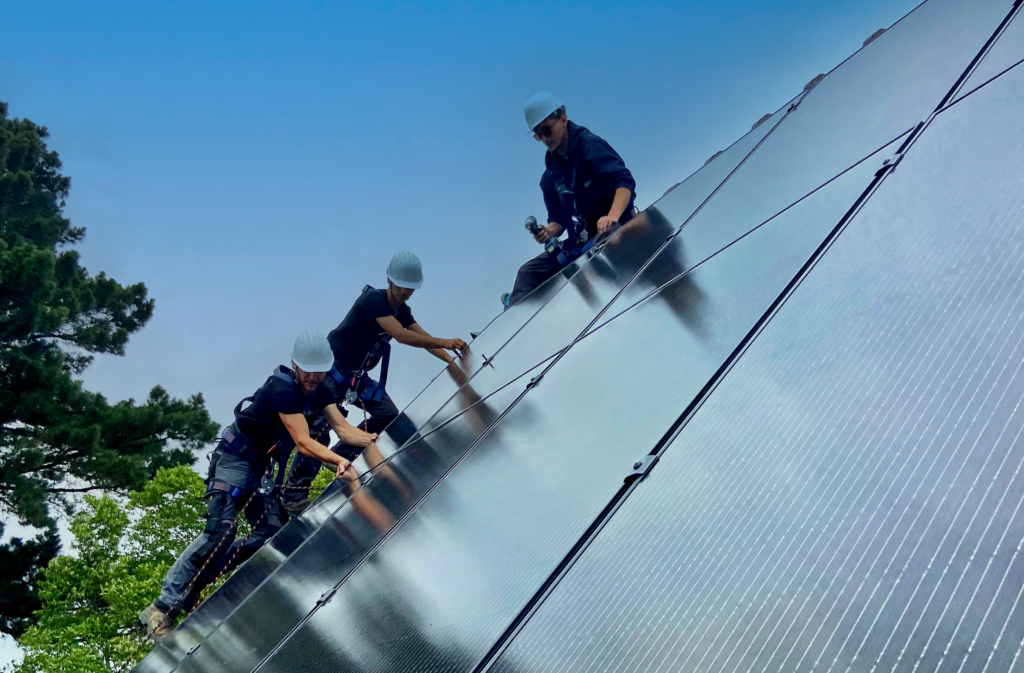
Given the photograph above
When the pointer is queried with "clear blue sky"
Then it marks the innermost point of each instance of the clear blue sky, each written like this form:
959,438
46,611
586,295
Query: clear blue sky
255,164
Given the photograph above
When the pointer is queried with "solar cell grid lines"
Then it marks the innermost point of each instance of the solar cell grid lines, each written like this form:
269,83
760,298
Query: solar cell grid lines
849,498
824,349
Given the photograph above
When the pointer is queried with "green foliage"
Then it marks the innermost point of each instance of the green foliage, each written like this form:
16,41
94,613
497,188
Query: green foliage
56,438
322,480
90,602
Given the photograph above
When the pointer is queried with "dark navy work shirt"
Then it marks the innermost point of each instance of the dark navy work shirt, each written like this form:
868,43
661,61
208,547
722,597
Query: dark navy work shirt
360,335
261,422
590,171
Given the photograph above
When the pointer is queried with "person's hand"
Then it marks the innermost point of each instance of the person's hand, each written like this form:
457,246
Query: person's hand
544,234
342,466
356,437
457,345
605,223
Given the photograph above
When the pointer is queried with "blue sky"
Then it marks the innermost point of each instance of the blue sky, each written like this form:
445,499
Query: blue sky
255,164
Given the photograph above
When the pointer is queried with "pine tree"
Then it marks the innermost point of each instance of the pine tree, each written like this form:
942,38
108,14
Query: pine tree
58,439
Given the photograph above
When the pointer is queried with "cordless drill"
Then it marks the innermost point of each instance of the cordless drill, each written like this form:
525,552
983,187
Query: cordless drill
553,245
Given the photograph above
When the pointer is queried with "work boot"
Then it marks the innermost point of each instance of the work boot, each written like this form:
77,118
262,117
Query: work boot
158,623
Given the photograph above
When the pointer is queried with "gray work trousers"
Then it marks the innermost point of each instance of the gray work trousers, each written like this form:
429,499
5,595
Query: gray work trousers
215,542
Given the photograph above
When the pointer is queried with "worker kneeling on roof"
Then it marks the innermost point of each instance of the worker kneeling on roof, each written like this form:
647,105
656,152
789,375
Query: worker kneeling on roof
587,190
262,436
360,343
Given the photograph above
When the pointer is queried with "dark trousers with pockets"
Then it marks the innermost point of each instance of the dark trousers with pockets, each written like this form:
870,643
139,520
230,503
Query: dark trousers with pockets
265,515
533,274
213,552
542,267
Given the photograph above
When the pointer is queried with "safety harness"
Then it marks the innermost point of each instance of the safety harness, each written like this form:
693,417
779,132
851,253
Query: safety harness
373,391
235,443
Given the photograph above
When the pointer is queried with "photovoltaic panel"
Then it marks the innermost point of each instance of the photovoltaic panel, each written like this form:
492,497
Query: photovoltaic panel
1007,52
851,496
683,200
690,246
865,103
211,612
453,576
597,279
729,549
292,590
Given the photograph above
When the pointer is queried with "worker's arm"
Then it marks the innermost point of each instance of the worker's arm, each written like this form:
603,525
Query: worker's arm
299,431
347,433
619,204
439,353
420,339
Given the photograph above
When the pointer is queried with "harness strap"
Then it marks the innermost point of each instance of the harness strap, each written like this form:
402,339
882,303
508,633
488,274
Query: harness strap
217,485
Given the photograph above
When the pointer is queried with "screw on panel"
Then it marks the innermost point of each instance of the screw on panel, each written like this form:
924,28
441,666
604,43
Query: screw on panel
640,469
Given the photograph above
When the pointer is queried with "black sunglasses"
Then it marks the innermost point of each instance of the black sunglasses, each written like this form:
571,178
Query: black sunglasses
543,131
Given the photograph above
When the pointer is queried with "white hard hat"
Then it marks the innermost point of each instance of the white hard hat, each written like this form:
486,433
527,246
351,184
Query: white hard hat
312,353
405,270
539,107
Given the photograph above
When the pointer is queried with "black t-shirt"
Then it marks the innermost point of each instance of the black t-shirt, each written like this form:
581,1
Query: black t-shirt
261,423
360,335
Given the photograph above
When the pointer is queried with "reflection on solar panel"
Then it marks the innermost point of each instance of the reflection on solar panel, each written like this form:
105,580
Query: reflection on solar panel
775,425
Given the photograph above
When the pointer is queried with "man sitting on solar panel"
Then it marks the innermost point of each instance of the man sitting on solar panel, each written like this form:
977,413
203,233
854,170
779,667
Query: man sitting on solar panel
262,435
587,191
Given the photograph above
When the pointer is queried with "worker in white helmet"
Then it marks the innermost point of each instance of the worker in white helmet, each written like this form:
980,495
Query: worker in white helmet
588,191
278,417
360,342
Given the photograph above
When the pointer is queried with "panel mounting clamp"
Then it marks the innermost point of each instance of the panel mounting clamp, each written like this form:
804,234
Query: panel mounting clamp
326,596
890,163
193,650
534,381
488,360
641,468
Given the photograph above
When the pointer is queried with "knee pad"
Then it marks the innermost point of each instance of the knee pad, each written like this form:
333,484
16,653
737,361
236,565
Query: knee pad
218,518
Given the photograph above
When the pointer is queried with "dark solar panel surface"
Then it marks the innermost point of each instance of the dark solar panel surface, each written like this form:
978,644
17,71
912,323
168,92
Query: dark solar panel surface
504,518
850,497
287,596
818,512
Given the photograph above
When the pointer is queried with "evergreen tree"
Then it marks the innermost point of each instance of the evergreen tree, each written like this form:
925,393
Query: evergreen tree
56,438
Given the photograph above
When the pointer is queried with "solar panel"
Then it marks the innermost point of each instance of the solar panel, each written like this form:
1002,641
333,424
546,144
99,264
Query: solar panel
500,523
1006,52
822,350
850,496
325,559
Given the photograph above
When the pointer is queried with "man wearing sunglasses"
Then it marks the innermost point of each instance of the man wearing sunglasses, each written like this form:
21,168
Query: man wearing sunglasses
587,190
